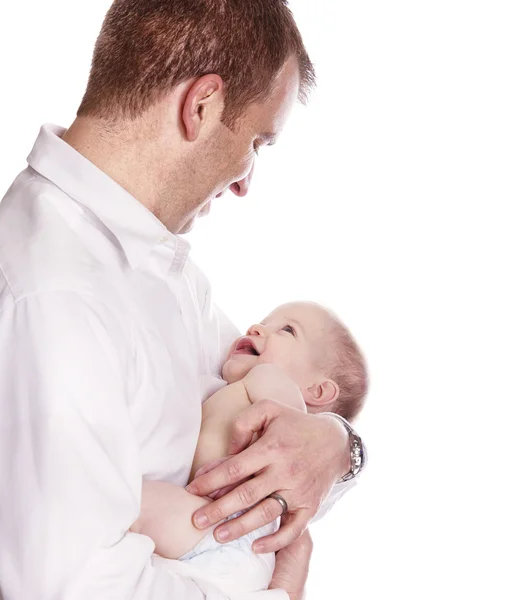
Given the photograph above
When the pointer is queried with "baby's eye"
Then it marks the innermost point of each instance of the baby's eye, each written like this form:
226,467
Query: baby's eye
256,147
289,329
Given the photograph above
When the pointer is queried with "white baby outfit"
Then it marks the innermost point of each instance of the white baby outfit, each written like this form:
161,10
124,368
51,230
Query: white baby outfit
232,568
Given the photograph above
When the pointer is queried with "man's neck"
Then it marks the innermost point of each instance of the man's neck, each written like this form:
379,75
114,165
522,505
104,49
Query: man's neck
132,158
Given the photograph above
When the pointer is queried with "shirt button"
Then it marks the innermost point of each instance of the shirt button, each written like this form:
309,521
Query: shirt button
163,239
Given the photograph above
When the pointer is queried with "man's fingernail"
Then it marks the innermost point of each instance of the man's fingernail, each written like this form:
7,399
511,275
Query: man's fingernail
222,534
201,520
190,489
259,548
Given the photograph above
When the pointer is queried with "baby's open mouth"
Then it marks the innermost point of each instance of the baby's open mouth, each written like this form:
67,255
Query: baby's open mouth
246,346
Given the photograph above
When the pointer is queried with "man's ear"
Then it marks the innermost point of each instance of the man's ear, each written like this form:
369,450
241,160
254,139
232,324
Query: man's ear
203,100
322,393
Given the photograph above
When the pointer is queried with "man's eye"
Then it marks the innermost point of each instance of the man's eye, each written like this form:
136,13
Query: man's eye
289,329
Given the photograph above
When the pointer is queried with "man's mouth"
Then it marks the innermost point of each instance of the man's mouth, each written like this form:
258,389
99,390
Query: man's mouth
246,346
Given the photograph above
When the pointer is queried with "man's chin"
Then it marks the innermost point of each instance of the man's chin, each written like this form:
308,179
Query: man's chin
187,227
206,209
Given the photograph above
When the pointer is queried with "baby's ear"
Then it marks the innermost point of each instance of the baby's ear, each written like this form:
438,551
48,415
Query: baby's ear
322,393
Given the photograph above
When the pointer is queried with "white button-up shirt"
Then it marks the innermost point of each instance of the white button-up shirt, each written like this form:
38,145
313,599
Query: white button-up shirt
108,342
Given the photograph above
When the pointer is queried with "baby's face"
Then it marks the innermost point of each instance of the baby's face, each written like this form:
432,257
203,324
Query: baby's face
292,337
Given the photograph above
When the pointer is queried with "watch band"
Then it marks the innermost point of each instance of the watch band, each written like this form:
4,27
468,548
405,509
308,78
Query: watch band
358,453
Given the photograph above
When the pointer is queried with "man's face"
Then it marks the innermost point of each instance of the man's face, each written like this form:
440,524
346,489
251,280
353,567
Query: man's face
293,337
228,164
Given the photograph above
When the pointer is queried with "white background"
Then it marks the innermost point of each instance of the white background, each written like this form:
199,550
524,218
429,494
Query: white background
400,198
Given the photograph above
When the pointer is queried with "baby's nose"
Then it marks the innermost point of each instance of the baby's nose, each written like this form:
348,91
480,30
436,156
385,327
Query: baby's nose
256,330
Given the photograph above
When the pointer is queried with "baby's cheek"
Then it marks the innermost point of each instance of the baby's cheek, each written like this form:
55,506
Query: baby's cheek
285,363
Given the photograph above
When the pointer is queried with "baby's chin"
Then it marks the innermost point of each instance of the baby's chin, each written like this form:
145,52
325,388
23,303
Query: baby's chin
236,369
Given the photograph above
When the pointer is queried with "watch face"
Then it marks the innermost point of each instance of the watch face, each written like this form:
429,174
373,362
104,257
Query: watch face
363,455
357,454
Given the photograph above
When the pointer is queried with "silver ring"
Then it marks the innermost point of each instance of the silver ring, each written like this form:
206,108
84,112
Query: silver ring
281,501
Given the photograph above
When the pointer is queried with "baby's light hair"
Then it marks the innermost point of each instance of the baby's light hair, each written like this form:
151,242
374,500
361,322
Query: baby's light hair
346,366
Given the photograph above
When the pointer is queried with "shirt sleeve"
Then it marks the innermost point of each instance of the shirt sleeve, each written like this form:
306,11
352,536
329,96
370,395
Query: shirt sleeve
337,492
70,479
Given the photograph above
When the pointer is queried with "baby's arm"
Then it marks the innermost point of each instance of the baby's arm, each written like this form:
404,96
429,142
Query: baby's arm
166,517
269,382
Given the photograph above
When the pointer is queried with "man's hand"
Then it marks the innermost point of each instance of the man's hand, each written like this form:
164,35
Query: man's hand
297,455
211,465
291,567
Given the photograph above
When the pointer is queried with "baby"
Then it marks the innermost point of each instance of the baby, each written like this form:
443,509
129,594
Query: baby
301,355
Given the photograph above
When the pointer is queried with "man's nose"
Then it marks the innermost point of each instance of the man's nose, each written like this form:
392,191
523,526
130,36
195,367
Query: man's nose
240,188
256,330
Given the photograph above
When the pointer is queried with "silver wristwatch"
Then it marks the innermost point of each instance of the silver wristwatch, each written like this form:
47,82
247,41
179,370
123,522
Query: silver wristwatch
358,453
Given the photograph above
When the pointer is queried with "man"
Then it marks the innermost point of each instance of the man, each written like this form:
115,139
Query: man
108,334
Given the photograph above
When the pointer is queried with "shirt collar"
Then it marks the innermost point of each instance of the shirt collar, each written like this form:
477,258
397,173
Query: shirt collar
137,229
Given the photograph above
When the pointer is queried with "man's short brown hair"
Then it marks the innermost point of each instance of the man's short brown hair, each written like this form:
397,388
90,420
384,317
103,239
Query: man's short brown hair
147,47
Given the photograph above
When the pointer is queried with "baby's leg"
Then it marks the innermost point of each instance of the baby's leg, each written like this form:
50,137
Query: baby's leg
166,517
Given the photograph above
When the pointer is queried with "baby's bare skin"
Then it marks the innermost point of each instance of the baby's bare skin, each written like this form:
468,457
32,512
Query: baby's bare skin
172,531
220,410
